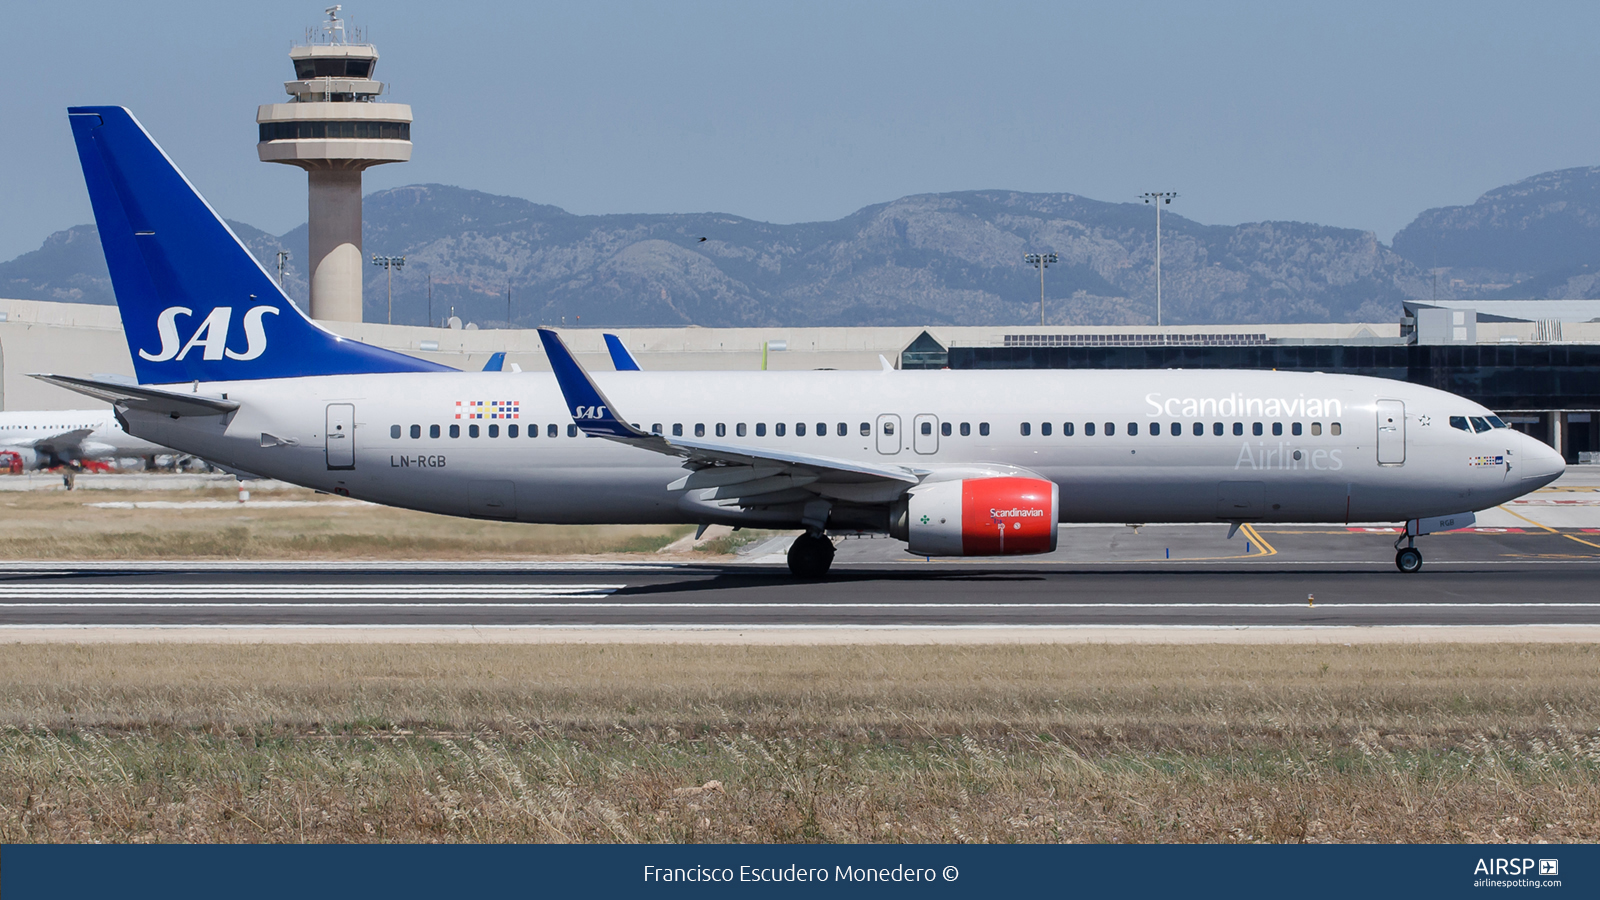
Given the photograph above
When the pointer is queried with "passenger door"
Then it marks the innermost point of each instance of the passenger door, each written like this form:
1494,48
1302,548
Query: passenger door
888,434
925,434
1391,433
339,439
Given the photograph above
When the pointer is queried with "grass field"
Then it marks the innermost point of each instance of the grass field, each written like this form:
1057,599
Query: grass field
1430,742
58,524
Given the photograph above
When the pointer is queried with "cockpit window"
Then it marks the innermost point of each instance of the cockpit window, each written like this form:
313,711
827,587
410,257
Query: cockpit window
1498,422
1460,422
1479,424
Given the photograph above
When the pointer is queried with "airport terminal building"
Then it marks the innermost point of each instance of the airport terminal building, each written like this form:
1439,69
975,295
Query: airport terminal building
1536,363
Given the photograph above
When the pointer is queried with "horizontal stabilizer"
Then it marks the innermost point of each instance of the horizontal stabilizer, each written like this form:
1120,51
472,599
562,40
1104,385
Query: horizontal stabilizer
148,399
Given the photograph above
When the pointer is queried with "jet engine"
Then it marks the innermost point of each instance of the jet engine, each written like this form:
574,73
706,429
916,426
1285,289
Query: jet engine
978,517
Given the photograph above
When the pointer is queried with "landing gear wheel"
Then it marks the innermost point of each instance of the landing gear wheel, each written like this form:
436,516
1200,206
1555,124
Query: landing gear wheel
810,556
1408,560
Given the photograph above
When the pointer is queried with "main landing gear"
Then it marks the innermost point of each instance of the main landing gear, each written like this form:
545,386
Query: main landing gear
1409,558
810,556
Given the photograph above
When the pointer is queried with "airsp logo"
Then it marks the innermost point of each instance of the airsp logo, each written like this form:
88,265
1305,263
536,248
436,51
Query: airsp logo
211,336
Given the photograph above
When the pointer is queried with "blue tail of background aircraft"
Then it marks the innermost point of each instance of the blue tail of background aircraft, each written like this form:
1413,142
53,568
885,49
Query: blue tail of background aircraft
196,306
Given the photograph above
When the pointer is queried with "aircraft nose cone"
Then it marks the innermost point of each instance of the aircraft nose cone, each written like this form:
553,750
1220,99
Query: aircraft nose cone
1540,463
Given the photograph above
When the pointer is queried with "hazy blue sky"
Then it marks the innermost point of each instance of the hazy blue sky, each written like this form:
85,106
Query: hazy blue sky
1350,114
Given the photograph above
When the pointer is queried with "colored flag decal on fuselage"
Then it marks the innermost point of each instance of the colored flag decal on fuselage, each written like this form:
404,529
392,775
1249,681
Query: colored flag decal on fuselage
488,409
1486,460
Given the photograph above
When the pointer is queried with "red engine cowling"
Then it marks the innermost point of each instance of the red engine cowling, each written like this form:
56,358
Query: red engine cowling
980,517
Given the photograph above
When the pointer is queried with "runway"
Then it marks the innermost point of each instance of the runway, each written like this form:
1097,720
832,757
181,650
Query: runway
1112,577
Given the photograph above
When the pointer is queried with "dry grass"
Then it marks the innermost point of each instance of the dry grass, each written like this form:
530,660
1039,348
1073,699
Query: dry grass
62,525
611,743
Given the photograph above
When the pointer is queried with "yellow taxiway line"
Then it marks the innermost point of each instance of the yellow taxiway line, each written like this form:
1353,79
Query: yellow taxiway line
1551,530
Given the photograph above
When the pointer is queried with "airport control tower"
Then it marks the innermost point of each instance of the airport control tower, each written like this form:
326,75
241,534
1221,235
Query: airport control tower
333,127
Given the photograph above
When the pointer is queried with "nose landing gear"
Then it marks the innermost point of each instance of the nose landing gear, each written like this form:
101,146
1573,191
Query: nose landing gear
1408,559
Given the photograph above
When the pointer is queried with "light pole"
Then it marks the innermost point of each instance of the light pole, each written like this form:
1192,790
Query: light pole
1160,199
389,263
283,257
1040,261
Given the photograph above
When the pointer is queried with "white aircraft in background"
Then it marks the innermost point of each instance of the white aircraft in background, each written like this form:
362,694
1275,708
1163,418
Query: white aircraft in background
52,438
957,463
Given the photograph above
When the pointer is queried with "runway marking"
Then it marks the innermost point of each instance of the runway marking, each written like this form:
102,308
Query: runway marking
643,605
306,595
327,566
1551,530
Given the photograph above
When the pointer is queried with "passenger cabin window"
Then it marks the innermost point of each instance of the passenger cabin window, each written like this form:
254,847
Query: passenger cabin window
1199,429
842,430
779,430
1067,429
677,429
472,431
494,431
1133,429
511,431
1216,428
1044,429
416,432
572,431
761,429
799,429
888,428
866,429
1277,428
700,429
455,431
944,428
739,429
966,429
1027,428
1238,429
1316,428
1256,429
1088,429
1111,429
552,431
927,428
1295,429
433,431
983,429
656,428
1176,429
822,429
1334,428
394,432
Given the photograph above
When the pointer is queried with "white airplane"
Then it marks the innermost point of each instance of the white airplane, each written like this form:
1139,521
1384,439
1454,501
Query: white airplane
49,439
957,463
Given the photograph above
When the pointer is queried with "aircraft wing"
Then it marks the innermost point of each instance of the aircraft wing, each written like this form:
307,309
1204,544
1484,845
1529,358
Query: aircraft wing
158,400
735,471
64,445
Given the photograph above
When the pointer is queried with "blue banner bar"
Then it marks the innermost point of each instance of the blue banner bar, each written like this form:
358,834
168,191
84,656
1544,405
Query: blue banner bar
1300,872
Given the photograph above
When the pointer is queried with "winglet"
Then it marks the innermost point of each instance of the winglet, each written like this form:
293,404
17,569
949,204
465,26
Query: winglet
621,359
590,409
496,363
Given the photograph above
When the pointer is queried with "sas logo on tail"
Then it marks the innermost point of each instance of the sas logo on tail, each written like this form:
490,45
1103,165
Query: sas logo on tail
588,412
211,336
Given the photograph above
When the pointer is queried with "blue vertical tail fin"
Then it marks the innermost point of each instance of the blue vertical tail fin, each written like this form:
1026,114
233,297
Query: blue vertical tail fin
196,306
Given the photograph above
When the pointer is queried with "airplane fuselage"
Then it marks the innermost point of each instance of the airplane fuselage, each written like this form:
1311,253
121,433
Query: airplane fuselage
1124,446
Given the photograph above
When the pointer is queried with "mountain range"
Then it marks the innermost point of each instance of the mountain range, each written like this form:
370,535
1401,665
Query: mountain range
949,258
